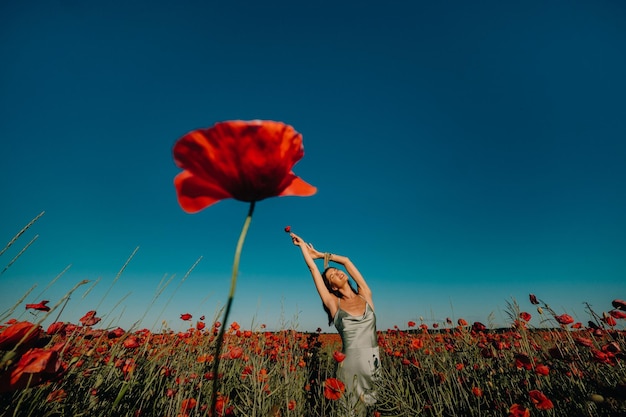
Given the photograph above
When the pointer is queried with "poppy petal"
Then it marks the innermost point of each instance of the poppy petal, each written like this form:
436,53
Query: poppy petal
195,193
298,187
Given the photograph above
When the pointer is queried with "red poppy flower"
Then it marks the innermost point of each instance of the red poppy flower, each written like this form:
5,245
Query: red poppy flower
583,341
333,389
542,370
540,400
186,317
245,160
131,342
603,357
200,325
522,361
34,367
11,335
221,406
41,306
525,316
115,333
611,347
477,391
339,356
618,314
609,319
56,327
462,322
411,324
90,318
417,343
533,299
235,353
478,327
517,410
564,319
56,396
188,404
287,229
619,304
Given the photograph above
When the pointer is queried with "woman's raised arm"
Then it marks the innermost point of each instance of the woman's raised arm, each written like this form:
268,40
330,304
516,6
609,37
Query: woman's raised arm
310,254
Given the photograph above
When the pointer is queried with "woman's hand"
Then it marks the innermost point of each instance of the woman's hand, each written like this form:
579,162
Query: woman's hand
297,240
315,254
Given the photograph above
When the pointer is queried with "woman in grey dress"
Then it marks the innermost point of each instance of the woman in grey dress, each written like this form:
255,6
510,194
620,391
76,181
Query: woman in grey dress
352,313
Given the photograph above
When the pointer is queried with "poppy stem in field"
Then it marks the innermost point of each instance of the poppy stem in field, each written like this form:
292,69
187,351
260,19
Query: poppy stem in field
231,296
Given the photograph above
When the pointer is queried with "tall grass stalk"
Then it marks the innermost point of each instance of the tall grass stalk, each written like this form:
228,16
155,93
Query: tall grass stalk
16,257
7,313
21,232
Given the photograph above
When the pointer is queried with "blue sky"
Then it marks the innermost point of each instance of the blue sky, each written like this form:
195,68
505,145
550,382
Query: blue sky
466,154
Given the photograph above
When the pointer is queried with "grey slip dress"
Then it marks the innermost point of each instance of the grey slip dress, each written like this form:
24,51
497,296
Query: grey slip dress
360,345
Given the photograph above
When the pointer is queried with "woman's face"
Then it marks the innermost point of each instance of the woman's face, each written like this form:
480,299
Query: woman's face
336,278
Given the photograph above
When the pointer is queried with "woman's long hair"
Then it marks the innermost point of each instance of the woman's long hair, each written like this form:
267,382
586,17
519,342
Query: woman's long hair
331,319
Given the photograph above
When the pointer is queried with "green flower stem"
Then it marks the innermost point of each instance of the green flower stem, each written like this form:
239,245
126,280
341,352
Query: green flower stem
231,296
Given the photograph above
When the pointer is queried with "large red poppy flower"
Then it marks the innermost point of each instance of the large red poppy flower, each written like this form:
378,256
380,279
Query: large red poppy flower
245,160
333,388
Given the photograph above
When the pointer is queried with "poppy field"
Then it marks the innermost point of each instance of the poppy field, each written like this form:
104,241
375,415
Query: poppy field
544,363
